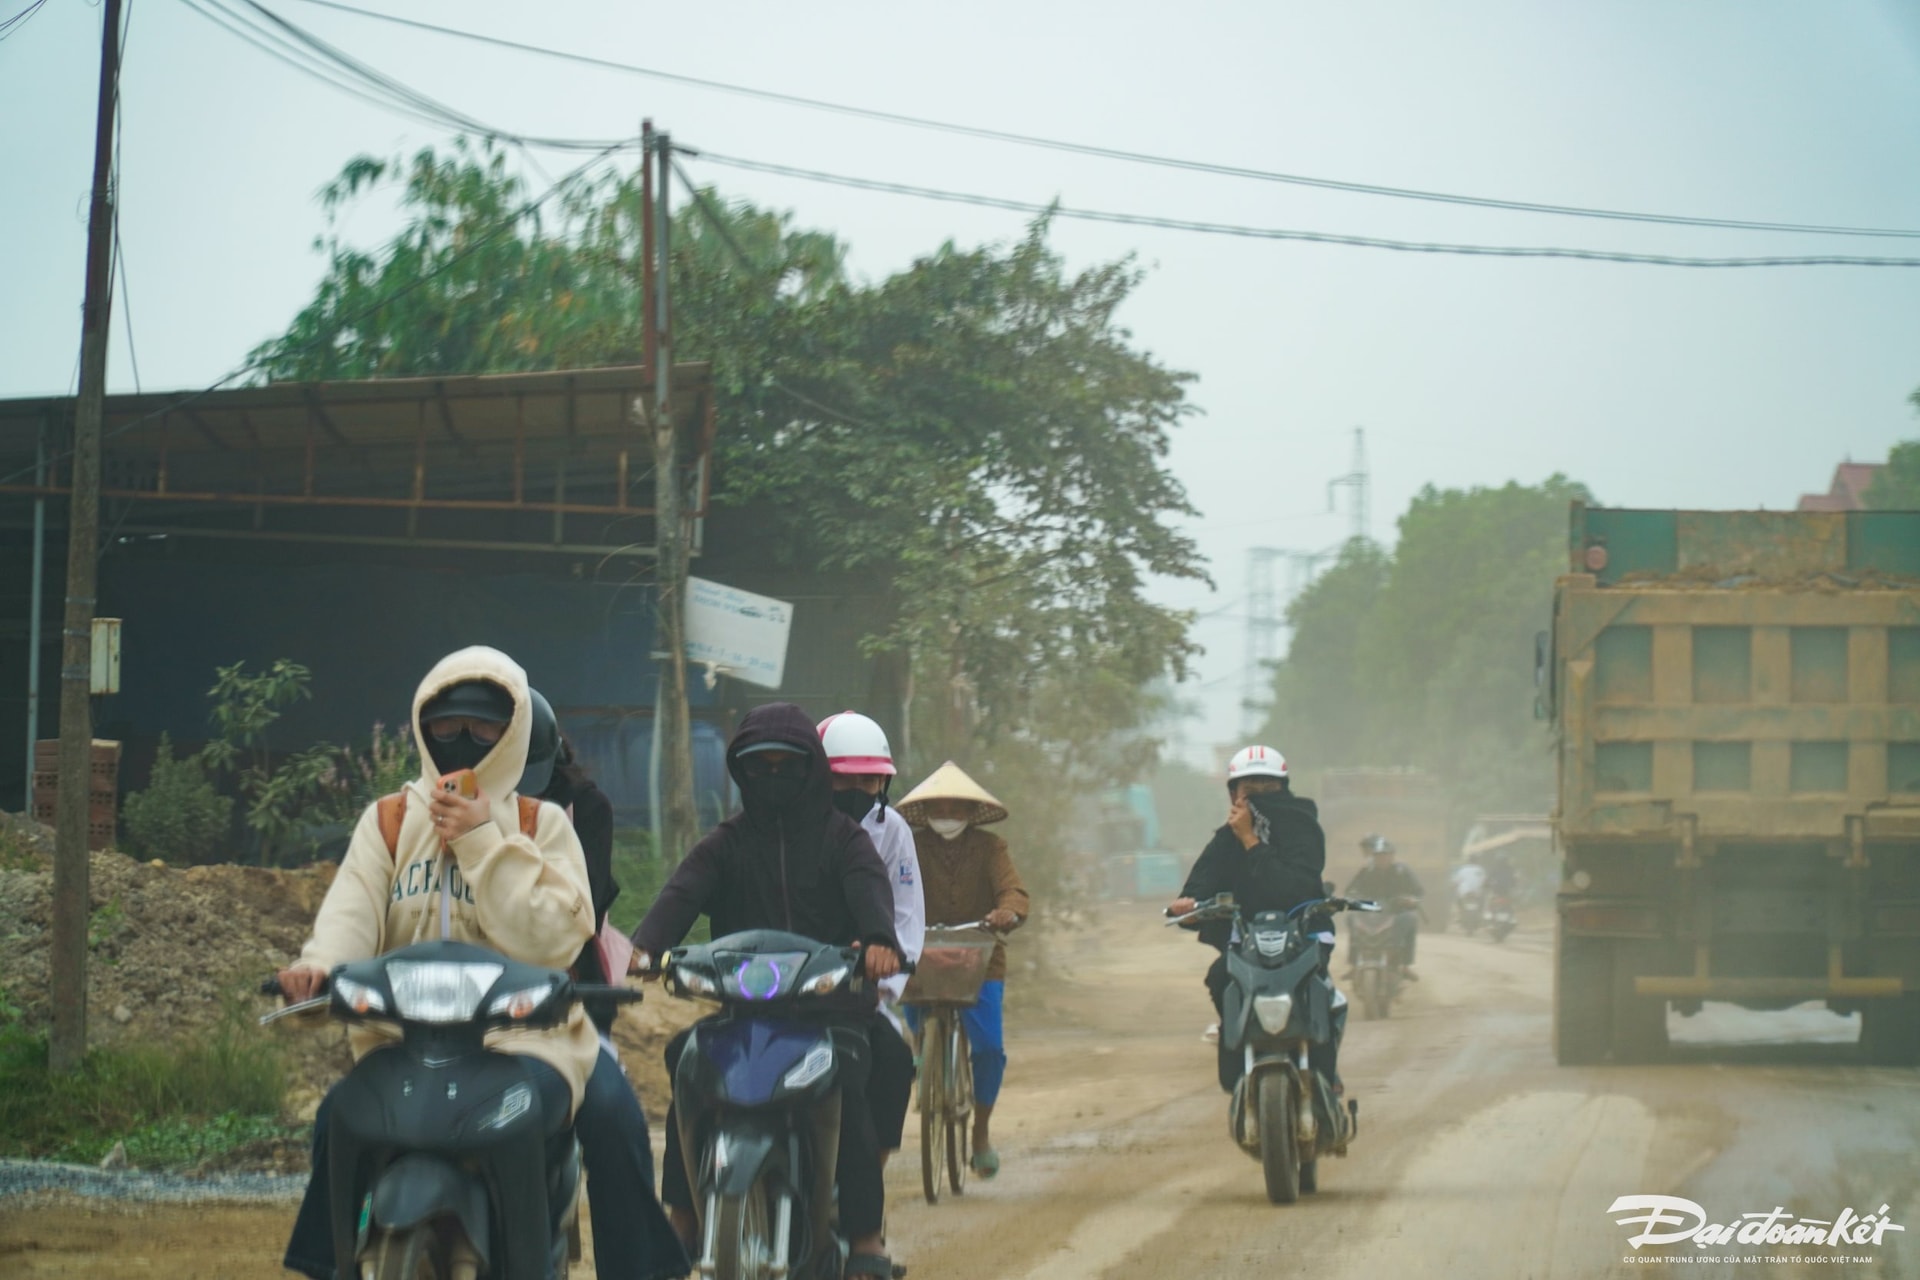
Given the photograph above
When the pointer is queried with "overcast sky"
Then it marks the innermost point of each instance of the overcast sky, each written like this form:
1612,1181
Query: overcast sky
1656,387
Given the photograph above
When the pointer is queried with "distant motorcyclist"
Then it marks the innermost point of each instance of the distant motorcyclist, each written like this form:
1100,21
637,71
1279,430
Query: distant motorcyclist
1502,879
1269,855
1469,882
1394,886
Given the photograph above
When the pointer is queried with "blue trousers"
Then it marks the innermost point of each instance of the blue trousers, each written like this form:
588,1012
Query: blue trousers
985,1027
632,1239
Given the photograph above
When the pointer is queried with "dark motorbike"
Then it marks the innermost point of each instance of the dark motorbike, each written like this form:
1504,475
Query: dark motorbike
1277,1005
757,1097
1500,916
1469,908
1377,976
442,1164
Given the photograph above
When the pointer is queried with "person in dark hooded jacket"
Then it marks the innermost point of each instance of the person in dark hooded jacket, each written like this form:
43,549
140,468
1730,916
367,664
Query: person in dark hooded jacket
1270,855
791,861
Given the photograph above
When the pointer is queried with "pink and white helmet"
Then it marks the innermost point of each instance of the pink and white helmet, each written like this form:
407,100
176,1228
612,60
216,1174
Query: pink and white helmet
855,744
1256,762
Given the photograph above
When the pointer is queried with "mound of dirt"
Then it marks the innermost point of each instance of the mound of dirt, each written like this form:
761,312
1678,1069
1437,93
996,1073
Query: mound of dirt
174,950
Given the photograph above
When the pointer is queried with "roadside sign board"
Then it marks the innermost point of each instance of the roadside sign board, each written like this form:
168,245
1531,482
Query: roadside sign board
741,634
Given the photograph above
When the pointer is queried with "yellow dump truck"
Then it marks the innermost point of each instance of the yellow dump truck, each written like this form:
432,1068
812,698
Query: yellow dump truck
1736,699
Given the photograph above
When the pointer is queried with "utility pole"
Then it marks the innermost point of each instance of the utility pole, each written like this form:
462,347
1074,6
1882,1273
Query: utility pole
675,816
68,959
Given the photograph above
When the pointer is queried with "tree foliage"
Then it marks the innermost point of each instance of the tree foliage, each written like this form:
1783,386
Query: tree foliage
976,432
1424,657
1896,486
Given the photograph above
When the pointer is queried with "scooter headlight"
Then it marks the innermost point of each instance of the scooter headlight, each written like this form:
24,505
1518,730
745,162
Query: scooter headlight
818,1062
521,1004
358,996
826,984
439,990
1274,1012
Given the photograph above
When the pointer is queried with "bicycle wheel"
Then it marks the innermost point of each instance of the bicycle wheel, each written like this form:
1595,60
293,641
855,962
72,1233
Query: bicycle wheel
933,1089
959,1110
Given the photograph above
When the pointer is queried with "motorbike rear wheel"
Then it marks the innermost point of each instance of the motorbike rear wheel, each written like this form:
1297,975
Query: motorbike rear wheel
935,1033
1279,1153
743,1243
1310,1177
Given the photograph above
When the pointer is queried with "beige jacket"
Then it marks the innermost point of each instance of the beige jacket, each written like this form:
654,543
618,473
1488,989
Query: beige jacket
524,897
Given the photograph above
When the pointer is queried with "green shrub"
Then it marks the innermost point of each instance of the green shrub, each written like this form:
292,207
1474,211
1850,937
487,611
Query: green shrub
175,1103
180,817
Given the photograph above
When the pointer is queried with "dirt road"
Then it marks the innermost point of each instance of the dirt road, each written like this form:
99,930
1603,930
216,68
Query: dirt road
1476,1157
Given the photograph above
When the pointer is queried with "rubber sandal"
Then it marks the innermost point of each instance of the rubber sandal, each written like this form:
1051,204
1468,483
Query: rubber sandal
869,1264
986,1163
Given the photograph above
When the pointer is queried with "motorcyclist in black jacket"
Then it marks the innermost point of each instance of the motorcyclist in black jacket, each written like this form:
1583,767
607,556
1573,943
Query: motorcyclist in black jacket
1391,884
1270,856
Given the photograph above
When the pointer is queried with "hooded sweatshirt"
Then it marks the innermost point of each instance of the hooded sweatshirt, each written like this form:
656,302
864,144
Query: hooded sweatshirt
1282,870
526,897
805,868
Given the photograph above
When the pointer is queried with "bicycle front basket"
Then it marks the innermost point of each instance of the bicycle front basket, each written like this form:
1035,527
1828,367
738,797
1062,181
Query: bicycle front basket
952,967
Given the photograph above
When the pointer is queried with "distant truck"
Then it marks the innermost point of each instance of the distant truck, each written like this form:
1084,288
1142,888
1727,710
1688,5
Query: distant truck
1404,805
1736,700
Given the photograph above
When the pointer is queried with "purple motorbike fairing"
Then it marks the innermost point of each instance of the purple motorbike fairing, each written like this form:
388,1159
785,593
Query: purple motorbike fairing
750,1056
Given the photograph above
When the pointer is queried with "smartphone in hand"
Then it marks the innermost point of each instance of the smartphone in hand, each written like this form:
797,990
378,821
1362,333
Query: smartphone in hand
462,783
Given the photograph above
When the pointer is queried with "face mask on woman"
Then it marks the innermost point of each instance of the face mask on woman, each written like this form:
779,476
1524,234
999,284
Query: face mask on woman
947,828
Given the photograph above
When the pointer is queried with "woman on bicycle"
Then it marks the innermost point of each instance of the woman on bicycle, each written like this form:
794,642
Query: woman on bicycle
967,875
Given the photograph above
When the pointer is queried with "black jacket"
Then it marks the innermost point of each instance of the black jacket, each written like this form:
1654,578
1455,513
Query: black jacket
809,869
1398,881
592,816
1279,873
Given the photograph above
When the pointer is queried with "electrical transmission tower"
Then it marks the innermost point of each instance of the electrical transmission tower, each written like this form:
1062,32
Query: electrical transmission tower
1267,602
1358,480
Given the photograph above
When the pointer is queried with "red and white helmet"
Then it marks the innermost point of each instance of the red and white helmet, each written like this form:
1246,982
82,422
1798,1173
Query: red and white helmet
855,744
1256,762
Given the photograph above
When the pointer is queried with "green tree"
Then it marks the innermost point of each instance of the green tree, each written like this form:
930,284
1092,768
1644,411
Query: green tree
977,432
1425,657
1896,486
179,816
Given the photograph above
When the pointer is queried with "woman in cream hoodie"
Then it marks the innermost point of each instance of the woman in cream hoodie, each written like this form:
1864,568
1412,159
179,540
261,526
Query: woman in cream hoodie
463,869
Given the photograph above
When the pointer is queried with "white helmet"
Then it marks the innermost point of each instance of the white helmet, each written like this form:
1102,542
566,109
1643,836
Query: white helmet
1256,762
855,744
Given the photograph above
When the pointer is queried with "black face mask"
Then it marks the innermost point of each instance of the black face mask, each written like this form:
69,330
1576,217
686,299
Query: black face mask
855,803
462,752
775,794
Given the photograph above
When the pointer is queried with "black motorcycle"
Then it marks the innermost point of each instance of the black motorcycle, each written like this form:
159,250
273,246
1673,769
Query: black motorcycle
1277,1005
441,1163
757,1098
1377,974
1500,916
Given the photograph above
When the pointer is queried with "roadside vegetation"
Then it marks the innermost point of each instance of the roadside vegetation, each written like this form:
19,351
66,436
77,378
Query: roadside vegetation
173,1105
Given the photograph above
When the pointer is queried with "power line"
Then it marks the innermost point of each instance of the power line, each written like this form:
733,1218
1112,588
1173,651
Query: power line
10,25
502,227
1132,157
298,48
1279,233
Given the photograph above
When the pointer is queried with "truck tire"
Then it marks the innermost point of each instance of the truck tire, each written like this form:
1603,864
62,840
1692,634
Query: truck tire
1890,1031
1582,1001
1639,1022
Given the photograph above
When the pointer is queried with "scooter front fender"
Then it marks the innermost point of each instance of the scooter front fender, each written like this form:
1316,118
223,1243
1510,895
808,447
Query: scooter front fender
741,1154
419,1188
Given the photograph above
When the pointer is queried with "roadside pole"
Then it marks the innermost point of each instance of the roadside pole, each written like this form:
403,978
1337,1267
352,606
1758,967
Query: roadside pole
676,819
67,959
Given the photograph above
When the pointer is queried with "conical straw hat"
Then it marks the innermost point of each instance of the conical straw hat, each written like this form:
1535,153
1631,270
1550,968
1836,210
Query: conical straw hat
950,782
